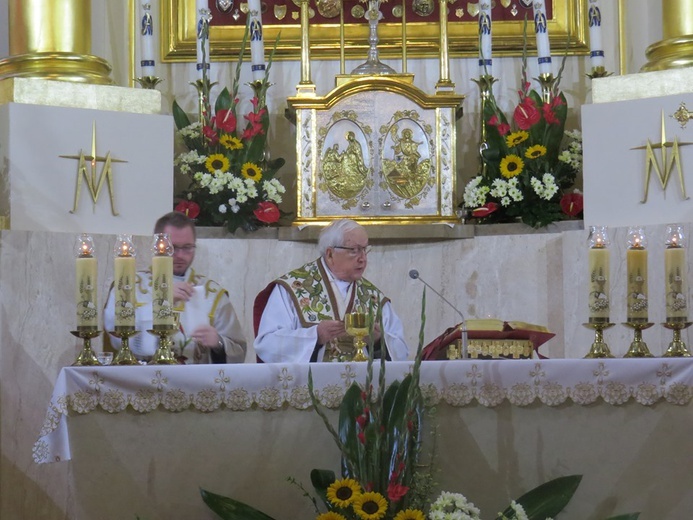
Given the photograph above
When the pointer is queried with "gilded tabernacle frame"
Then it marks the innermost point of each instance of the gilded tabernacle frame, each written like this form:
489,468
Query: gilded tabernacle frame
567,28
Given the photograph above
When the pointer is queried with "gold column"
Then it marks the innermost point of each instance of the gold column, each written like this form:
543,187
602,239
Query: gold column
306,87
444,83
676,49
51,39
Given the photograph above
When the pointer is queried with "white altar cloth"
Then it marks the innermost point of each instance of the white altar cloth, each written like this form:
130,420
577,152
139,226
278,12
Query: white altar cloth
216,388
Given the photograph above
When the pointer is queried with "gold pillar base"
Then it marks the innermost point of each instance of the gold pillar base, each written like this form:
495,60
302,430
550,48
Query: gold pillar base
59,66
638,348
677,347
673,53
86,357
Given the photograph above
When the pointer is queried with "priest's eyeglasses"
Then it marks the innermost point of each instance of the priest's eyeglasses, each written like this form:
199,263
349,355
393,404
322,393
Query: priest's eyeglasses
186,249
355,251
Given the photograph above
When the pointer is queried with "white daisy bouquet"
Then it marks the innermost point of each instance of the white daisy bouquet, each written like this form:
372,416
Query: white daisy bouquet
232,180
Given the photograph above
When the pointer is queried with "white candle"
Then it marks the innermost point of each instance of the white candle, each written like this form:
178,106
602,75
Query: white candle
125,279
203,53
85,284
162,281
636,267
485,49
675,282
594,17
542,31
599,284
257,45
147,60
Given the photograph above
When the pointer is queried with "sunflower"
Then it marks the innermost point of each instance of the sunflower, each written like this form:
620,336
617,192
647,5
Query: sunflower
516,138
343,492
370,506
216,162
230,142
410,514
330,515
536,151
511,166
251,171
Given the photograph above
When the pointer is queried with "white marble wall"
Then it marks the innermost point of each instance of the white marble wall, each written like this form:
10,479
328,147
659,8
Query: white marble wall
539,278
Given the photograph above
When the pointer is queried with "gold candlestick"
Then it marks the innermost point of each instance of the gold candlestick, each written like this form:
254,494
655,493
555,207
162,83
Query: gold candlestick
598,72
677,347
124,356
148,82
203,87
87,357
548,86
638,348
164,352
599,348
485,84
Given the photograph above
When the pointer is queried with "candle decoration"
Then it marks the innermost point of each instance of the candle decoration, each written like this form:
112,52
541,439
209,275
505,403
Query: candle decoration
542,33
86,300
676,289
637,291
148,80
204,16
163,318
162,281
125,303
594,21
598,298
485,39
86,288
257,45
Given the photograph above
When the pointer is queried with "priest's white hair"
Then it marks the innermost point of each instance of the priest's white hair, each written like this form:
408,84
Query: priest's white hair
333,235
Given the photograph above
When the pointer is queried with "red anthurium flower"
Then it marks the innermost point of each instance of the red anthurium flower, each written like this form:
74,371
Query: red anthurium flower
210,135
571,204
225,121
526,114
188,207
396,491
549,114
267,212
485,210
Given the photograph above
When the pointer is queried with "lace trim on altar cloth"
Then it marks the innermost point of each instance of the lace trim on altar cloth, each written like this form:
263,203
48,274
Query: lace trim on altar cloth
226,389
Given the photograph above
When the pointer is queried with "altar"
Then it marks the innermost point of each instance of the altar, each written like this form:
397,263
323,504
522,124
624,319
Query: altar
143,440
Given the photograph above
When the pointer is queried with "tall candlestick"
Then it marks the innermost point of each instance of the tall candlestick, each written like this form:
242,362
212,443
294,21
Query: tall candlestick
598,275
147,55
162,281
485,48
594,16
85,286
257,45
675,275
636,269
203,50
124,281
542,31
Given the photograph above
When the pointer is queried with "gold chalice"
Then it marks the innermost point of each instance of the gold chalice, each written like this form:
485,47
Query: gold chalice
357,325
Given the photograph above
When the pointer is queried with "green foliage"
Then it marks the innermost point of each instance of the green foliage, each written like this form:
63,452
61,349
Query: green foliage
548,499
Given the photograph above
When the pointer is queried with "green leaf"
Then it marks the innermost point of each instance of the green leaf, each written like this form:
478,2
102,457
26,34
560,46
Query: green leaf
224,101
349,410
321,480
627,516
548,499
179,116
230,509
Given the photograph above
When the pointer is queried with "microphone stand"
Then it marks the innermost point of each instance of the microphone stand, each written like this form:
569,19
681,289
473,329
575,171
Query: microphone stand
414,274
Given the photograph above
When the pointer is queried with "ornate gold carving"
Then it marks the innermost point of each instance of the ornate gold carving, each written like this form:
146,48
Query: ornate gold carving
682,115
664,171
406,172
88,173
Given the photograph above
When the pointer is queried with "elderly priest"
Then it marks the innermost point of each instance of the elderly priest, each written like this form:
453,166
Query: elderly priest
299,317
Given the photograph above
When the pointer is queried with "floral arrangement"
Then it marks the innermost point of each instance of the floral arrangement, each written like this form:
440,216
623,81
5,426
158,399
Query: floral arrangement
232,180
527,167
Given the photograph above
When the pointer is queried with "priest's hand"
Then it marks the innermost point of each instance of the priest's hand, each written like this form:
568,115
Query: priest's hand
206,336
182,292
376,333
329,330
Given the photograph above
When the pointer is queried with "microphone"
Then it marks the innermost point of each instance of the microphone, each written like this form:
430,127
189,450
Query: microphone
414,275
